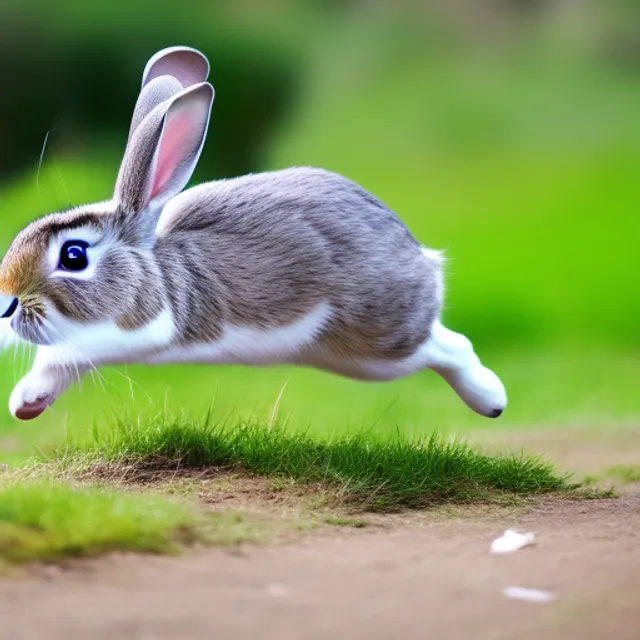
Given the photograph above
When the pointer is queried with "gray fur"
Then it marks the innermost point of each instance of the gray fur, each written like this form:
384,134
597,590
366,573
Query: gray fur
264,250
156,92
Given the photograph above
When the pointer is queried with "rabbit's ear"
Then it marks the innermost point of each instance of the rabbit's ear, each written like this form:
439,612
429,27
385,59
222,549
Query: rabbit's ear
154,93
167,73
187,65
163,151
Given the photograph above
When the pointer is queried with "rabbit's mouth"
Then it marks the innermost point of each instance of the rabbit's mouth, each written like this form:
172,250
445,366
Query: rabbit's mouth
30,324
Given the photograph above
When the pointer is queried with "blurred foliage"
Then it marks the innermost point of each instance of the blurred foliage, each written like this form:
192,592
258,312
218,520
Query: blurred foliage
71,71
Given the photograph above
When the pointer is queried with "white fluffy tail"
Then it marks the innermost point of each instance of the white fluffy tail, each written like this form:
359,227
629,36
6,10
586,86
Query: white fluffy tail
435,256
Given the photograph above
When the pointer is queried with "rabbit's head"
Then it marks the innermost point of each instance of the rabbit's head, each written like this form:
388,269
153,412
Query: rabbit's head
94,263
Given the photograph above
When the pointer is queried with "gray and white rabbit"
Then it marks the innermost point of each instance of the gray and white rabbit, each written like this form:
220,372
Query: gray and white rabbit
299,266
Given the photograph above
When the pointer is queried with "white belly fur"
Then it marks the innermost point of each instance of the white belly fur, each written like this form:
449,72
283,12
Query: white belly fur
250,346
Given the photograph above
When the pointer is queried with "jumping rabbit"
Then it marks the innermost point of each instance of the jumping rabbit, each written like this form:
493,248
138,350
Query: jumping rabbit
300,266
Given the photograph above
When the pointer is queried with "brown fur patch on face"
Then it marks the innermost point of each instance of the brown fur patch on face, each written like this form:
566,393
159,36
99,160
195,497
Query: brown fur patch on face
18,273
22,271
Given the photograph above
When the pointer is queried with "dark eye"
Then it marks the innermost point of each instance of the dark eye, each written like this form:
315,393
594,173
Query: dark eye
73,255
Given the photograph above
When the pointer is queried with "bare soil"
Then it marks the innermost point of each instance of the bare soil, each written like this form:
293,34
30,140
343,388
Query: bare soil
425,575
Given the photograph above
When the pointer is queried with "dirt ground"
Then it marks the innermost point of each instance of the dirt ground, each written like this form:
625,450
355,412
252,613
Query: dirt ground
416,576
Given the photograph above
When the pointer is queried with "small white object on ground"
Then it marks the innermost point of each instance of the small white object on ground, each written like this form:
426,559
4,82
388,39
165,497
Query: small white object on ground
512,541
530,595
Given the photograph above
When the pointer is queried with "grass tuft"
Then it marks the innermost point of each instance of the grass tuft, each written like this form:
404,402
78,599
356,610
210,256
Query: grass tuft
372,474
45,521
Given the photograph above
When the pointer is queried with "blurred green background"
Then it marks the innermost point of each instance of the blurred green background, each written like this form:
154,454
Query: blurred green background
506,132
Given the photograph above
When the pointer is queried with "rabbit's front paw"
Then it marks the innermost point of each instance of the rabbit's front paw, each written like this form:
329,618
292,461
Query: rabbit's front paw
33,394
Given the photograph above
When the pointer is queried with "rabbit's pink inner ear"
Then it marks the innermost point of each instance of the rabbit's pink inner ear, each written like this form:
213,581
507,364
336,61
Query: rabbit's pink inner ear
175,147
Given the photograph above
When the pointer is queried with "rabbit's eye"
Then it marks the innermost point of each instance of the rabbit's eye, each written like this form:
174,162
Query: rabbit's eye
73,255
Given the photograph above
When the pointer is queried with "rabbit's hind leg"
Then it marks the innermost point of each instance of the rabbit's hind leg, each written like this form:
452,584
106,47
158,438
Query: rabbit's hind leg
451,355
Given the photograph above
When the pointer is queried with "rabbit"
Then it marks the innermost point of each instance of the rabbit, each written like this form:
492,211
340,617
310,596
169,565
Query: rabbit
299,266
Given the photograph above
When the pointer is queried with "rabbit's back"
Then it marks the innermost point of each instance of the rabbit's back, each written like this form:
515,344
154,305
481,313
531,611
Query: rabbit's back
264,250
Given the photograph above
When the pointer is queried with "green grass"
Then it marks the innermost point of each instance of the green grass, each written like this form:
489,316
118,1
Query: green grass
87,511
48,520
44,520
375,474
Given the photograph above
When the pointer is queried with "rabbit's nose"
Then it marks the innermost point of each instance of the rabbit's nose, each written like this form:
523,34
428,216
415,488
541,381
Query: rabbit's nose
8,306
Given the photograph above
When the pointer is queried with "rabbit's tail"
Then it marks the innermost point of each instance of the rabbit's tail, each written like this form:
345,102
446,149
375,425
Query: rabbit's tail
435,256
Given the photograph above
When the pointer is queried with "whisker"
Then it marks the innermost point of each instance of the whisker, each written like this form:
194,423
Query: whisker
64,184
44,147
133,383
98,378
